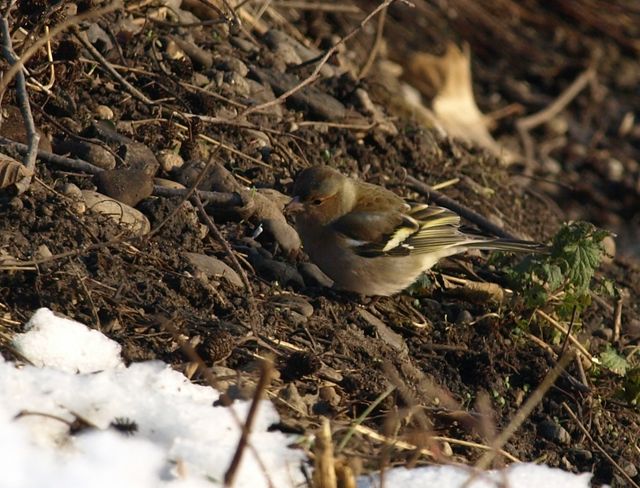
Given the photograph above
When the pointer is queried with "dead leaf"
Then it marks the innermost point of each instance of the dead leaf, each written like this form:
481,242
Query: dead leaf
11,171
447,80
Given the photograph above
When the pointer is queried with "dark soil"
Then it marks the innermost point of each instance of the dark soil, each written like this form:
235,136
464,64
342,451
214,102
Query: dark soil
335,353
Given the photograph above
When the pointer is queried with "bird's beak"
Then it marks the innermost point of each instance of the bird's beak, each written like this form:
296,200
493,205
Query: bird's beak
294,206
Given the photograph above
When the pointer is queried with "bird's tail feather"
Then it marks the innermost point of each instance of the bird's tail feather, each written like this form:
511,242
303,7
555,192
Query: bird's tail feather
512,245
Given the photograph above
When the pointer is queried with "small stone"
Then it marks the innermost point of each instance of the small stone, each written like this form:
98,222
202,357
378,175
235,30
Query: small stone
291,396
119,212
554,432
464,317
103,112
169,160
581,455
314,275
200,80
273,270
138,156
212,267
16,204
43,252
71,190
129,186
615,170
329,395
92,153
609,245
105,131
169,184
293,302
231,63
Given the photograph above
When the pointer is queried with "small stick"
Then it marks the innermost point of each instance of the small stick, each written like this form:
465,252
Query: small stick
266,368
617,321
597,445
29,53
323,60
376,45
556,325
463,210
33,138
521,415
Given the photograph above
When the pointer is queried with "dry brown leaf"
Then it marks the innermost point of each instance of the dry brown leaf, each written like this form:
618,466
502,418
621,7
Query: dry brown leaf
447,80
11,171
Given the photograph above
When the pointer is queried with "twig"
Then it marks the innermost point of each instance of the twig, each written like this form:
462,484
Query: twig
221,199
376,45
218,235
33,138
212,381
460,209
617,321
521,415
556,325
408,446
28,54
323,60
597,445
324,473
266,368
525,124
107,66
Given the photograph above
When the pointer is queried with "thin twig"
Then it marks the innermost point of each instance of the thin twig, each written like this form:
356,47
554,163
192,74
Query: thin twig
217,198
457,207
31,51
323,60
617,321
521,415
376,45
100,59
266,369
556,325
598,446
33,138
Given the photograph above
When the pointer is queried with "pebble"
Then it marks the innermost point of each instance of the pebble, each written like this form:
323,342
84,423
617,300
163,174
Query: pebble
385,333
464,317
129,186
273,270
119,212
169,160
103,112
609,244
138,156
230,63
165,183
105,131
314,275
293,302
554,432
43,252
92,153
213,267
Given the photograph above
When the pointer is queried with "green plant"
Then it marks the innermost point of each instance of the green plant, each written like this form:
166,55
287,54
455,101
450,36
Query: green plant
562,277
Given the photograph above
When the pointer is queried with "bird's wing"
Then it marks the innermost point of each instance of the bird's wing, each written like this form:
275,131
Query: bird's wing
421,229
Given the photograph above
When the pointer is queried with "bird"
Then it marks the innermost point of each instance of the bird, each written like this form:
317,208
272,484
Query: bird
372,242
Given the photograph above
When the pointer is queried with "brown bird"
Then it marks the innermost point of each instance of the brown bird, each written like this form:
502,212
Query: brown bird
369,240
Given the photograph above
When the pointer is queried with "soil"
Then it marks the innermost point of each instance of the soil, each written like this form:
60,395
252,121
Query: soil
462,365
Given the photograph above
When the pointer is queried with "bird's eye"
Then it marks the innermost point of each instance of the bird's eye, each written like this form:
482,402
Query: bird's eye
317,201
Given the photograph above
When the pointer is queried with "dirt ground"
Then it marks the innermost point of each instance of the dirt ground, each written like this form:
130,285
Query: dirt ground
461,365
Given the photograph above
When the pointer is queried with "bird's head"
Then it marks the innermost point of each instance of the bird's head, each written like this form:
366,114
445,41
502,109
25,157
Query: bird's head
321,194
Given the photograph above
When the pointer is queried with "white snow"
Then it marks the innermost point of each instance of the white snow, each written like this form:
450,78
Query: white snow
67,345
182,440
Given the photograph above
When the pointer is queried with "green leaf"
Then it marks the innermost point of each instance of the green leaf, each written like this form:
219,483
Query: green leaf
613,361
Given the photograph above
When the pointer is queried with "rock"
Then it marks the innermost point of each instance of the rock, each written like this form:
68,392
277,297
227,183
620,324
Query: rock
98,37
292,397
121,213
106,131
311,99
554,432
291,51
464,317
314,275
103,112
199,56
385,333
188,174
129,186
169,160
293,302
92,153
163,182
243,44
43,252
609,245
12,127
231,63
273,270
73,192
138,156
261,93
212,267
